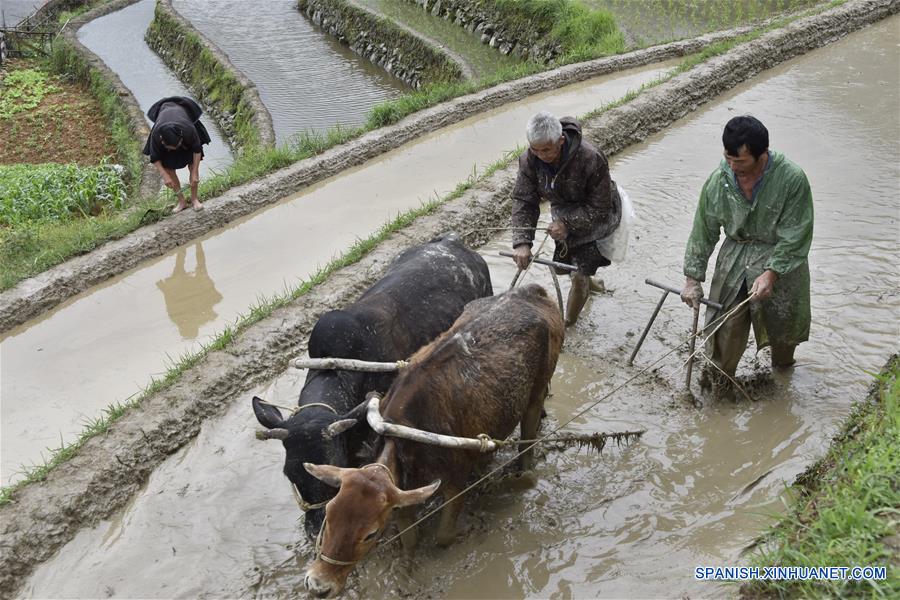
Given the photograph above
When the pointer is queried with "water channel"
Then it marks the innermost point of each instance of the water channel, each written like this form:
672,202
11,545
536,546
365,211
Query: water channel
180,300
118,39
217,518
306,78
14,11
481,58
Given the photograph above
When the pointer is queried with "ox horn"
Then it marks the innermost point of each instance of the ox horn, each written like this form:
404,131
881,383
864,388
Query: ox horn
380,426
338,427
278,433
349,364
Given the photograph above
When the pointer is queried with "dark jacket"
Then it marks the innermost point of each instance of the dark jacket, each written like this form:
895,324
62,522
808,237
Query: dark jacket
183,113
580,192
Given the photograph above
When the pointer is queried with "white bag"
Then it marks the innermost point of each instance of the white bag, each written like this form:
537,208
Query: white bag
615,245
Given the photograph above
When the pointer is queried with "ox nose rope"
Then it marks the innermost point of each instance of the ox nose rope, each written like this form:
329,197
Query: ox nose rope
326,558
303,504
718,322
333,561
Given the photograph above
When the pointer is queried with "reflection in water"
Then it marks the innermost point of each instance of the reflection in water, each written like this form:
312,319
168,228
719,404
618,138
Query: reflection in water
248,260
630,522
118,39
190,297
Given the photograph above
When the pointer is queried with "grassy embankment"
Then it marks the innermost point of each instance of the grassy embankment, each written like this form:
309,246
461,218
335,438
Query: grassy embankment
648,22
846,507
265,307
31,248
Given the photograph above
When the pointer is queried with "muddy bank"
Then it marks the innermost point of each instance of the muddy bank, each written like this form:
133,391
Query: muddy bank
499,27
229,95
398,50
634,521
44,516
307,80
34,296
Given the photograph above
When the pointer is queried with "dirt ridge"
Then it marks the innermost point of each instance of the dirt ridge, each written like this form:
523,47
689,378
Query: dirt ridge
36,295
110,468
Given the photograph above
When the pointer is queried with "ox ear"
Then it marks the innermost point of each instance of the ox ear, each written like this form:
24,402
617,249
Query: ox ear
326,473
418,495
267,415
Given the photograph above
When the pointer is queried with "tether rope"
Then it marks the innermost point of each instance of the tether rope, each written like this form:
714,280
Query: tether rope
577,415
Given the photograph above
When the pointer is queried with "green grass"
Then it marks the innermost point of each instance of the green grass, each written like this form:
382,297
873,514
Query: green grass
658,21
362,27
31,248
846,505
67,62
25,254
575,29
216,85
48,193
263,308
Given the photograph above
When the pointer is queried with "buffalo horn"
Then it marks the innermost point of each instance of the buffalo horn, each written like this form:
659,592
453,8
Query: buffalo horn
348,364
278,433
381,427
338,427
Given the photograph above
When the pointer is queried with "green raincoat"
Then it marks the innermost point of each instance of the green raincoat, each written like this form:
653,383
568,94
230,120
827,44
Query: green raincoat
773,232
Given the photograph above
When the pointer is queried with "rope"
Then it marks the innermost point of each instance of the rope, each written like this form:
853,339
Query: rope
295,409
704,340
521,273
577,415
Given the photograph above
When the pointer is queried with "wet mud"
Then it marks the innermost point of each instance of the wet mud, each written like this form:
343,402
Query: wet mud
639,519
635,520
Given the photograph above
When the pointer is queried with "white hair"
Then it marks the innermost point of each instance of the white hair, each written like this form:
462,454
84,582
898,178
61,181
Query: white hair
542,128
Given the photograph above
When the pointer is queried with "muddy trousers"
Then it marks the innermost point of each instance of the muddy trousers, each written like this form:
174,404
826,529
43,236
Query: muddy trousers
727,346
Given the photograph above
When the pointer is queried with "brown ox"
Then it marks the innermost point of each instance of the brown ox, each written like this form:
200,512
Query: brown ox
487,374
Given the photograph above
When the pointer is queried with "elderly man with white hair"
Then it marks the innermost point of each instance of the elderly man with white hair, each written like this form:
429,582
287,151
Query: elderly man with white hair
573,175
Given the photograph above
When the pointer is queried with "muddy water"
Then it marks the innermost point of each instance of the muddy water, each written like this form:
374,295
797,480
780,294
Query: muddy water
305,78
163,309
647,22
217,518
13,11
118,39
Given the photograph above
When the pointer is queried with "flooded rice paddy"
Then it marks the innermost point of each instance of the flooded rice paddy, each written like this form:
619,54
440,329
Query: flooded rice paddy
118,39
306,78
171,305
482,60
13,11
647,22
217,519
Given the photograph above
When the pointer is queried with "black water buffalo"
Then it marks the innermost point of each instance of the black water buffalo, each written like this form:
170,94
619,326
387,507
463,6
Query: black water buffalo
423,291
486,375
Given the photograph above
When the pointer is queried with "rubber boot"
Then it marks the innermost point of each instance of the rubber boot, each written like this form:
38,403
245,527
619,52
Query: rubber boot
783,357
578,295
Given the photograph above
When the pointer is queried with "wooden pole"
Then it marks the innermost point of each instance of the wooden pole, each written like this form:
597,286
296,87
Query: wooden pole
690,365
349,364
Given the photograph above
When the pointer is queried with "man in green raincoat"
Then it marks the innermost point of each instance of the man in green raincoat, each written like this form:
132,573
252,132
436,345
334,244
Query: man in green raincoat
764,204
